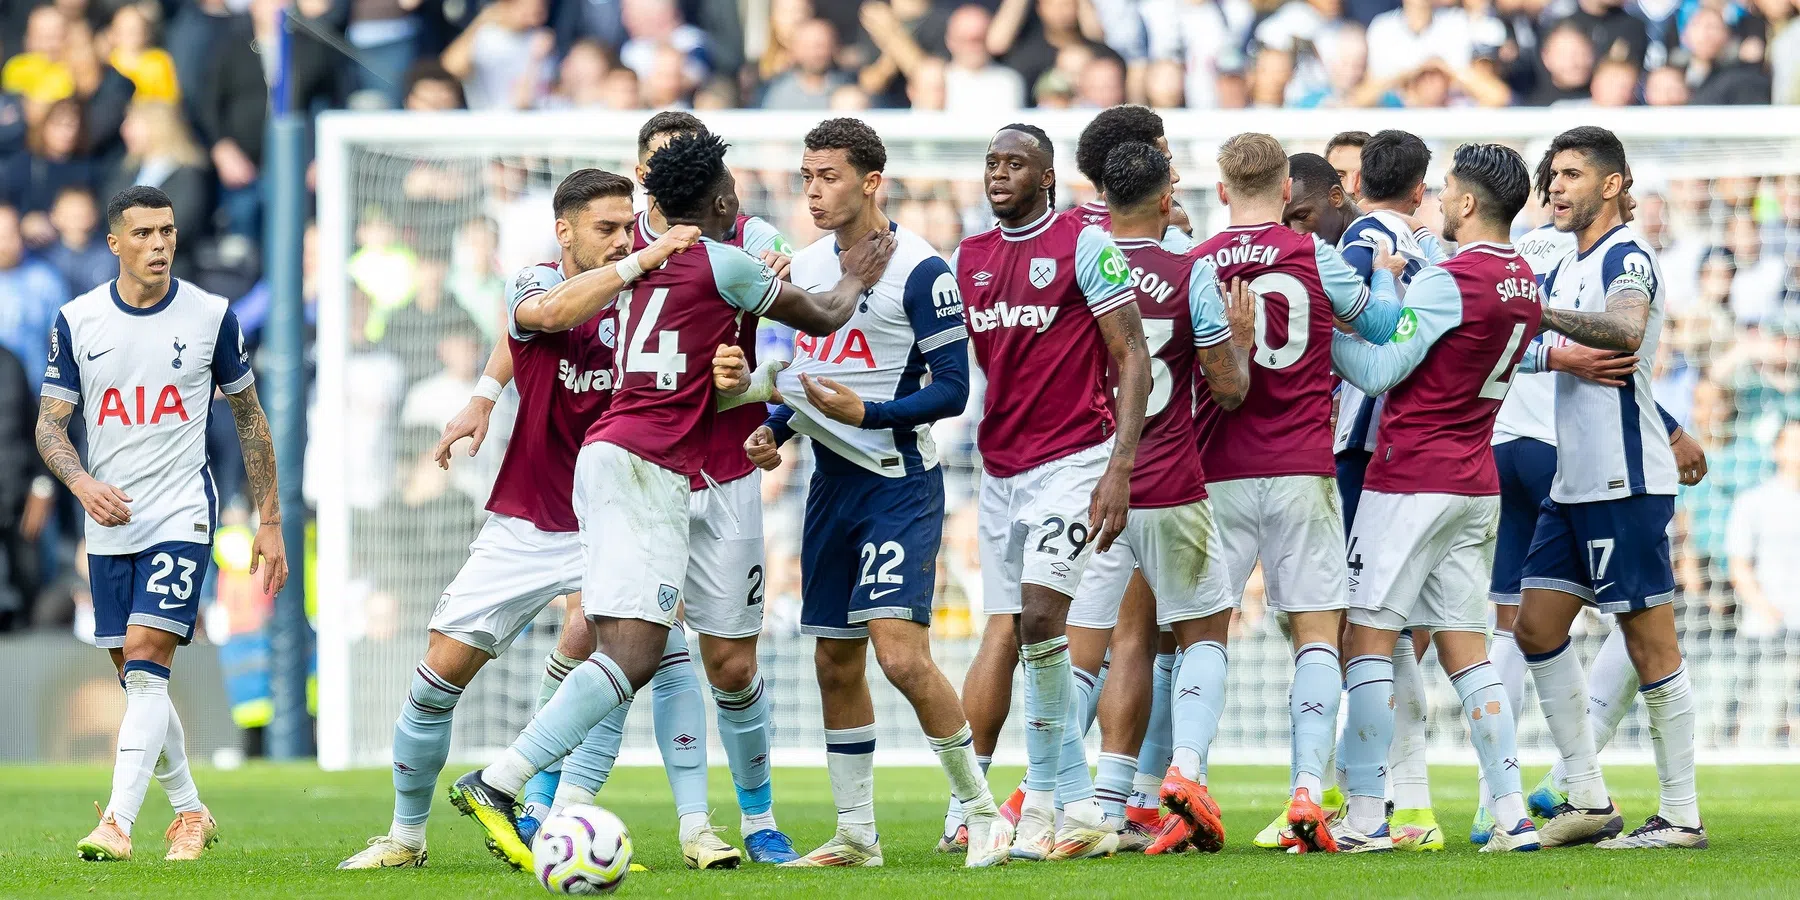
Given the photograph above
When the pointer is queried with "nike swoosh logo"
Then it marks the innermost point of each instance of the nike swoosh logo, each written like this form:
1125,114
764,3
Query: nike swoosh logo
877,595
93,356
1602,589
164,604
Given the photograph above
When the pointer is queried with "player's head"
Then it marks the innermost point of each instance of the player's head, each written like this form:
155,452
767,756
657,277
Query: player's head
1020,173
1344,152
1488,184
656,132
1253,170
1178,217
691,183
1393,170
841,170
593,218
1112,128
1138,190
140,230
1317,203
1581,176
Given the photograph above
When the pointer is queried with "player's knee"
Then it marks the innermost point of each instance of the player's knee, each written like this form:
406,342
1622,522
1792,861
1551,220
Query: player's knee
903,665
839,668
1535,637
576,642
731,671
1040,624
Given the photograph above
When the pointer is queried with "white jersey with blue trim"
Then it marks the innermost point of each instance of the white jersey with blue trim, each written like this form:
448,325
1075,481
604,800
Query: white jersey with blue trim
914,309
1529,410
144,381
1611,440
1381,227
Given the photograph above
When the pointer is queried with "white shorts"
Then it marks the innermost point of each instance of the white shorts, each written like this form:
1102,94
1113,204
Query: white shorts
1181,553
723,595
513,571
1422,561
1293,524
1033,527
634,534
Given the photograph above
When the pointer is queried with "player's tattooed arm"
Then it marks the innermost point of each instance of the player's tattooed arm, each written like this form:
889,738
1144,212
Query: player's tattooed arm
1226,364
1620,327
107,505
267,550
1123,331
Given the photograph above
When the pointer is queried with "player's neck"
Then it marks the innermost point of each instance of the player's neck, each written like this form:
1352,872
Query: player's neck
1132,228
1603,224
654,218
1394,206
139,294
1256,212
871,219
1478,232
570,268
1028,215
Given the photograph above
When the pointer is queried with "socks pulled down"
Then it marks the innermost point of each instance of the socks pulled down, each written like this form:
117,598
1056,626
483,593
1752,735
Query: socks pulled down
1370,732
745,730
1312,714
966,771
1407,761
850,761
1562,692
141,736
1199,701
1490,720
1670,704
1048,685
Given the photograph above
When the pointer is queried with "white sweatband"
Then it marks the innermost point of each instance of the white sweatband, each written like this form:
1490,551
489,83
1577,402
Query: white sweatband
629,269
489,389
760,390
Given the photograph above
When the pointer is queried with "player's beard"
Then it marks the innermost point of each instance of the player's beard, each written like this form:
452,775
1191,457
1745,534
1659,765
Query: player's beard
1583,212
1450,229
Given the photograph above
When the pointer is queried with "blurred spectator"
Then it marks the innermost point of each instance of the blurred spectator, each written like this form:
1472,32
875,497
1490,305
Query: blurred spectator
1760,541
160,153
477,282
925,85
849,98
1029,34
1165,84
435,398
230,113
18,466
1612,32
383,270
809,83
1406,38
1568,58
1714,76
52,161
30,294
667,86
621,90
899,38
580,78
656,24
1666,86
79,252
431,88
135,54
41,73
785,19
503,57
1054,90
973,81
1784,48
1757,288
1203,35
1615,83
1101,84
386,35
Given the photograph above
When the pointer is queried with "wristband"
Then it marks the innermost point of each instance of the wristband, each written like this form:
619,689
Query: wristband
630,268
489,389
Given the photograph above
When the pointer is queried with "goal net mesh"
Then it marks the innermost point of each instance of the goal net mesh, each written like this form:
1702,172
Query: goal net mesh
424,221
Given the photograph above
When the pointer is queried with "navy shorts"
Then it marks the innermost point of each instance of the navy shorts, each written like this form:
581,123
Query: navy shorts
1526,467
869,550
158,587
1614,554
1351,466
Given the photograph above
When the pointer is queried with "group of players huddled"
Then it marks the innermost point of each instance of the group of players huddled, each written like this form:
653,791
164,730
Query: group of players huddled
1158,418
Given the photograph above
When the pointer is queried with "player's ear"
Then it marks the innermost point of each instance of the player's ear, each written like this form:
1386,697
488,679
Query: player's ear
872,184
1287,191
1355,185
565,235
1335,196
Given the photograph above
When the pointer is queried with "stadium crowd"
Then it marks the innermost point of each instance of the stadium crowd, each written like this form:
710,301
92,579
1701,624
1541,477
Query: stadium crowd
98,95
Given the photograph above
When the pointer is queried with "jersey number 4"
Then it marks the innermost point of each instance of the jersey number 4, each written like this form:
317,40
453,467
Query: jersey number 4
666,362
1499,381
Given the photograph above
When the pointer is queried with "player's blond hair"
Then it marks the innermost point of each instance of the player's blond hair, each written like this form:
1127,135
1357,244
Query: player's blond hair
1253,164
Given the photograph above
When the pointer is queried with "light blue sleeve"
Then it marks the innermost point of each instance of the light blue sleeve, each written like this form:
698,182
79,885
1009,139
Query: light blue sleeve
1433,307
1351,300
1102,272
530,282
759,236
1536,358
1175,240
1206,307
742,279
1434,249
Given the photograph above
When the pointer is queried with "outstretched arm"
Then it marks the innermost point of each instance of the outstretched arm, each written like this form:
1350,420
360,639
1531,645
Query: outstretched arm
581,298
1620,327
259,465
823,313
1434,306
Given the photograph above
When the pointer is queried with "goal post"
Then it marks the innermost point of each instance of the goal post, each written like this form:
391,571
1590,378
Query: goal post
422,220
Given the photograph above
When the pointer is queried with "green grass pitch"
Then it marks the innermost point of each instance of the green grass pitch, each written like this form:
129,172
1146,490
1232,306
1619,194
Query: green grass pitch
285,827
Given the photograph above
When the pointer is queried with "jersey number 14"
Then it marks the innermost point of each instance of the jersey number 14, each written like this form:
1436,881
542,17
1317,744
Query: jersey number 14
666,362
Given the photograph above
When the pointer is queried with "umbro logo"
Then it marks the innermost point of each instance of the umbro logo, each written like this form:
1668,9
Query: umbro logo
684,741
982,278
759,759
403,767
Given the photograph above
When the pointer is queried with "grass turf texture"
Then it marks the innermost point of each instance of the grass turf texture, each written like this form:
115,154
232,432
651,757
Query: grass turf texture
285,828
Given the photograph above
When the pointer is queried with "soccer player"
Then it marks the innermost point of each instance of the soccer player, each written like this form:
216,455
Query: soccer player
527,552
875,507
1171,536
1602,539
1344,153
1319,204
1268,462
1422,551
141,355
632,476
1047,301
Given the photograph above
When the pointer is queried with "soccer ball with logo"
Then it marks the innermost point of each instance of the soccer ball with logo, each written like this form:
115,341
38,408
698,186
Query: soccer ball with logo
581,850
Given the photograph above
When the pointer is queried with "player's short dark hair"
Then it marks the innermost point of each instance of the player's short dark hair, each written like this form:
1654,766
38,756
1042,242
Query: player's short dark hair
1496,174
1109,130
584,186
670,121
1596,144
1135,172
1313,172
135,197
853,136
1357,139
1036,132
686,173
1393,163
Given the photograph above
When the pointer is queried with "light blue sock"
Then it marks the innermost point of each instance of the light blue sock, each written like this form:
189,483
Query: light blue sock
1090,705
1343,761
1112,782
591,764
1489,713
1371,726
422,743
680,722
587,696
1047,706
1159,738
1312,714
744,730
1073,781
1199,702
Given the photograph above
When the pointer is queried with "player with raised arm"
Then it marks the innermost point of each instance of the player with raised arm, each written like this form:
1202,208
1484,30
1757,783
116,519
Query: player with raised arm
141,356
1047,301
1268,462
632,477
867,395
1602,537
527,552
1171,536
1421,552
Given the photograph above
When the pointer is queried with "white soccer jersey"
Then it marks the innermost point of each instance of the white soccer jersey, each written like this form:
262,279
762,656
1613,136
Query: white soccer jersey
144,380
1357,420
881,353
1612,440
1529,410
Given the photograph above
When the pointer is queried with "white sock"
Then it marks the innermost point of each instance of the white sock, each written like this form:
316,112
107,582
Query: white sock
568,793
1187,762
1562,692
1407,775
850,759
141,736
1612,684
172,768
968,781
1366,814
409,836
691,823
1509,662
1146,792
1670,703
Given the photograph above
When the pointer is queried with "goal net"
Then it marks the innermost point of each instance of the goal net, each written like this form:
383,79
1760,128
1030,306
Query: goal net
423,220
